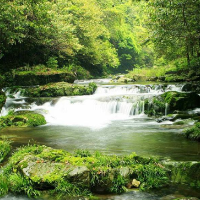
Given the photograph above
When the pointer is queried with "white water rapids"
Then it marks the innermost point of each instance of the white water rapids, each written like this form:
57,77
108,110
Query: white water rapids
96,111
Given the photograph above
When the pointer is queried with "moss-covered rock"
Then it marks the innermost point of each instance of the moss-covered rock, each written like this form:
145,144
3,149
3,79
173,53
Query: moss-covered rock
2,99
181,101
43,168
30,78
170,101
59,89
22,119
194,87
4,149
175,78
184,173
193,132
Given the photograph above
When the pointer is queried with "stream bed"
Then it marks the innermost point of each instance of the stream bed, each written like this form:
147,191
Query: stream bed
111,121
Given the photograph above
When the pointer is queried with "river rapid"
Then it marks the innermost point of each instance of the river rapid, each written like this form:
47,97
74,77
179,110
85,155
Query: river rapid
112,121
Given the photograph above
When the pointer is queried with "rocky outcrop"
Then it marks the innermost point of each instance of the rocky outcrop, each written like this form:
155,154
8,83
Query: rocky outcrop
57,89
187,173
171,101
194,87
37,168
74,174
193,132
22,119
31,78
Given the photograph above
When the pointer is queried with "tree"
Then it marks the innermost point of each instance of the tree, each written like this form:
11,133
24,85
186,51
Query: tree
175,28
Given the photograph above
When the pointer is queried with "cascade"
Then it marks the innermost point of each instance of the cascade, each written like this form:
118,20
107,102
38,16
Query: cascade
110,102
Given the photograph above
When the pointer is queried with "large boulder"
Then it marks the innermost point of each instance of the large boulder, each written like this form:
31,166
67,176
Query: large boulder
22,119
31,78
194,87
184,172
171,101
193,132
45,173
57,89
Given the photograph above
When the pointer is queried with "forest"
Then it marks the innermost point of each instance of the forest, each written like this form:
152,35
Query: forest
102,37
100,99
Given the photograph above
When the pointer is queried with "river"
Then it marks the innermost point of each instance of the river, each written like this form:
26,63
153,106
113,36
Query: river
112,121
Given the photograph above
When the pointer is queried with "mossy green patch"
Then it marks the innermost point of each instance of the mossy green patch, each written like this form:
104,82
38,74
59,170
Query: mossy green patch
193,132
60,89
80,173
170,102
22,119
4,149
2,99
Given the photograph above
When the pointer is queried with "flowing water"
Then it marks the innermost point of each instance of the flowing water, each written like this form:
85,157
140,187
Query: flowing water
112,121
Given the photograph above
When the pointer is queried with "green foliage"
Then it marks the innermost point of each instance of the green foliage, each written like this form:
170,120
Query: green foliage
60,89
52,63
4,149
118,186
63,187
174,30
2,99
104,171
22,119
3,185
193,132
152,176
149,72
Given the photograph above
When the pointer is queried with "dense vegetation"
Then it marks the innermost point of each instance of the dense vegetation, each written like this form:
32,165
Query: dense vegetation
96,35
33,169
22,119
99,36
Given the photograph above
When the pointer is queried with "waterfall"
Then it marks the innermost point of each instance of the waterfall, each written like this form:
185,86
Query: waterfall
166,109
109,103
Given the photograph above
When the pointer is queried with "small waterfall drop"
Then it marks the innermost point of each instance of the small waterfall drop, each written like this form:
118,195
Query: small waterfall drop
166,109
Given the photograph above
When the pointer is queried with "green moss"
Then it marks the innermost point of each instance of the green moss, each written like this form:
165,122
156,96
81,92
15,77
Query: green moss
22,119
193,132
175,78
60,89
56,170
4,149
3,185
2,99
179,123
185,173
174,101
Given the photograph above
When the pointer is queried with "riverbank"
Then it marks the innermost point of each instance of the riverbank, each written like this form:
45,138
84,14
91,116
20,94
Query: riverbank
165,74
34,170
